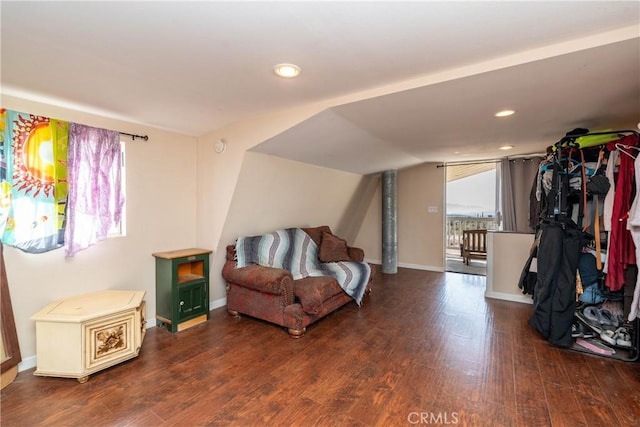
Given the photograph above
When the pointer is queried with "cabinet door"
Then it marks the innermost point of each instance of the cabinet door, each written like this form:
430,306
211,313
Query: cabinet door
192,300
109,340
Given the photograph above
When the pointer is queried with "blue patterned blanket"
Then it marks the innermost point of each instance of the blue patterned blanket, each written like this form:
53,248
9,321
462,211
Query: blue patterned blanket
292,249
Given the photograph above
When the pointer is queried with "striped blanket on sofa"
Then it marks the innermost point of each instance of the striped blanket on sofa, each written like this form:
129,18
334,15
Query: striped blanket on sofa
292,249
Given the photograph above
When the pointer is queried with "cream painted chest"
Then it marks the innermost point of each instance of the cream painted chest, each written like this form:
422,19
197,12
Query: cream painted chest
78,336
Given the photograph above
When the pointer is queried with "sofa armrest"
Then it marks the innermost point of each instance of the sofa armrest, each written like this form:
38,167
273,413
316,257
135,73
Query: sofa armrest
264,279
356,254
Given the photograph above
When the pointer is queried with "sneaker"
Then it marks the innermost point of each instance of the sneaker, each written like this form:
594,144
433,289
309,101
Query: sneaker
607,319
588,317
608,336
598,318
575,331
580,330
591,315
623,338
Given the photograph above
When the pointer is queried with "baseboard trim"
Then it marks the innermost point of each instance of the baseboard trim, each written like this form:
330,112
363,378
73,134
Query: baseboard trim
407,265
524,299
421,267
27,363
217,303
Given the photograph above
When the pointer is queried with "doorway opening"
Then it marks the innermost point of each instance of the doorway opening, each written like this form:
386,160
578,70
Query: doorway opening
471,205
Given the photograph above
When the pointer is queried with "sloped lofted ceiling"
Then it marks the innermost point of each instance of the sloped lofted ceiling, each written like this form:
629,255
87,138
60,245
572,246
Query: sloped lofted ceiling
407,82
596,88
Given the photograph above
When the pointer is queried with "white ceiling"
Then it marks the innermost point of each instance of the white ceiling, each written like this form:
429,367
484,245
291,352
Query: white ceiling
438,70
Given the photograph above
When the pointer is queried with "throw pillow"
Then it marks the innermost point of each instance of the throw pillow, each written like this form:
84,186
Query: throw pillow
333,249
316,233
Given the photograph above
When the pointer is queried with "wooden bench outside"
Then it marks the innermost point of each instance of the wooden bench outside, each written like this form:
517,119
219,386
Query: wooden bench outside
474,245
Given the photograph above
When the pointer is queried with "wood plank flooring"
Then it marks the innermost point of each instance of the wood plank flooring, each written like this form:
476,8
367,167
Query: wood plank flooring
424,349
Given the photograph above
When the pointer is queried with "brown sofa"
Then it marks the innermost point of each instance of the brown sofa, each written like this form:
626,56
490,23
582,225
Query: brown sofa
271,294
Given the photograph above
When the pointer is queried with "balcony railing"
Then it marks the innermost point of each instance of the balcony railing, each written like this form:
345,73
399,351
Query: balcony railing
456,224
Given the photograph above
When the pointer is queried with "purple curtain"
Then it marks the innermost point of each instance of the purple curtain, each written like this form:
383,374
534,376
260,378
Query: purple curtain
95,198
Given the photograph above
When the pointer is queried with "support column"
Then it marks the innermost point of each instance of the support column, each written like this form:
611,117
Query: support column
389,222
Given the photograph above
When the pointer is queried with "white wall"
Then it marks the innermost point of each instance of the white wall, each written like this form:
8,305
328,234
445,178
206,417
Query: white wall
161,207
370,235
507,253
274,193
229,179
420,233
218,175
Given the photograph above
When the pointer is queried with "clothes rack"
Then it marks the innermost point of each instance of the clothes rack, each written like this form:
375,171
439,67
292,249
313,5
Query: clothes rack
570,166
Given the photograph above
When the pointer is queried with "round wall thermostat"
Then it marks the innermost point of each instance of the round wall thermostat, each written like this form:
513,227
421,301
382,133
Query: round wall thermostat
220,146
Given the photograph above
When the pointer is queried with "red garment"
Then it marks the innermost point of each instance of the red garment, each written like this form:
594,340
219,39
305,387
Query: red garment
621,250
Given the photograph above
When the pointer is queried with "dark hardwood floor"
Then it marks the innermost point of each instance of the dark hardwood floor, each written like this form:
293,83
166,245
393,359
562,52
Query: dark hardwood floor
425,348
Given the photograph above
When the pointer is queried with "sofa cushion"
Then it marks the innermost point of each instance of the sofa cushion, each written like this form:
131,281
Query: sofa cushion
333,249
264,279
356,254
313,291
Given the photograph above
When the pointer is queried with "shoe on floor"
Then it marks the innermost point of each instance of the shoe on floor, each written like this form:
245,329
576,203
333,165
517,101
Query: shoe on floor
576,331
580,330
592,315
587,332
623,338
608,336
589,317
607,319
599,318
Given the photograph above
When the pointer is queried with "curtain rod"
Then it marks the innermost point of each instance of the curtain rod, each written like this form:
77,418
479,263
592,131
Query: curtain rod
133,136
480,162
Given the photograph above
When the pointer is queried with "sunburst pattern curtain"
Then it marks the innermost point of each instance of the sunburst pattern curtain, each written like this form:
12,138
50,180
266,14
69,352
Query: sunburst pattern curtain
33,181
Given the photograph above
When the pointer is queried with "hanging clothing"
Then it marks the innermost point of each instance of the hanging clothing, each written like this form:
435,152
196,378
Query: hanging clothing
634,211
608,200
635,303
528,278
633,224
621,250
535,205
554,300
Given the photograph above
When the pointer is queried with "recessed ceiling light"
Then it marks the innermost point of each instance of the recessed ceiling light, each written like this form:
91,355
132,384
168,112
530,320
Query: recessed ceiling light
506,147
288,71
504,113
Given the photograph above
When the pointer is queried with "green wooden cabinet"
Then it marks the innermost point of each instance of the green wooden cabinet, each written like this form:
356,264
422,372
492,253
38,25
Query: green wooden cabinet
182,288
